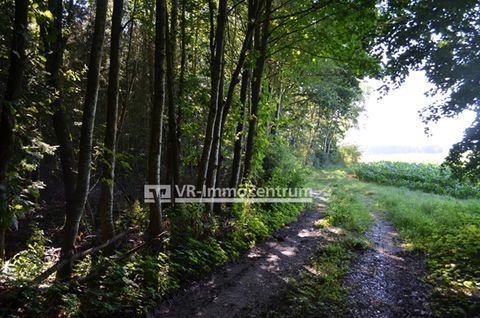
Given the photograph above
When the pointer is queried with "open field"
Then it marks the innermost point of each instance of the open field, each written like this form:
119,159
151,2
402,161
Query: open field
437,158
417,176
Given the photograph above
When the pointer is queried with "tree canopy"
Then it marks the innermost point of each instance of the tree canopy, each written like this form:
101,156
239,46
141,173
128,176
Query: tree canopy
441,38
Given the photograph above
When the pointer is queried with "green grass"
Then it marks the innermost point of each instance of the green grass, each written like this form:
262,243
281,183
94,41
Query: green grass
319,292
443,228
446,230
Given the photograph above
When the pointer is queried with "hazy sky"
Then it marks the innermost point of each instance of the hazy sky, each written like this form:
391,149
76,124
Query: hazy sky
394,119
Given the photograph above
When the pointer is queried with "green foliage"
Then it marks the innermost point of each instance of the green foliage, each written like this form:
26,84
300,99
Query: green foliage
282,168
198,242
331,100
350,154
250,225
132,286
424,177
29,263
188,220
445,48
135,216
193,257
464,156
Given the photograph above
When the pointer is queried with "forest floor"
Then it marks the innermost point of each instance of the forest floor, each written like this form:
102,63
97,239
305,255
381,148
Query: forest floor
383,281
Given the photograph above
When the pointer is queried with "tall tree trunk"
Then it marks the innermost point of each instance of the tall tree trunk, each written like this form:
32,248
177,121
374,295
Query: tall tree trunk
105,206
260,46
278,110
215,164
213,161
216,95
172,99
156,125
54,44
13,92
239,132
86,139
130,74
181,82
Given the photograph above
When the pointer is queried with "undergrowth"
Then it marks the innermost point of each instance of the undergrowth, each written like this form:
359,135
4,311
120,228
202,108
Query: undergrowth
131,286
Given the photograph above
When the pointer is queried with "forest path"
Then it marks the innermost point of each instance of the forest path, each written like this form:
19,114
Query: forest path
386,281
245,286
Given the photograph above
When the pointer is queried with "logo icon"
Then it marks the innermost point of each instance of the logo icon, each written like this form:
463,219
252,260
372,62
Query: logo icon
162,192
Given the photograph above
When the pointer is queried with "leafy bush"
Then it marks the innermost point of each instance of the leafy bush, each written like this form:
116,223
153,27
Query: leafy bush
29,263
134,216
350,154
282,168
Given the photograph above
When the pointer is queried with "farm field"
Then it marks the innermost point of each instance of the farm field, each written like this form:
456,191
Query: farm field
417,176
436,158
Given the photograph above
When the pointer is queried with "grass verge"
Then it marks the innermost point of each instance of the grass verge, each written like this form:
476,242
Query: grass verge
444,229
447,231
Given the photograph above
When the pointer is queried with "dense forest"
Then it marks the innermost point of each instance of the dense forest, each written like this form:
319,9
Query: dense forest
100,98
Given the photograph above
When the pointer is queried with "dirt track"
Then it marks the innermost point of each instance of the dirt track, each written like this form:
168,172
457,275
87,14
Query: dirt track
245,286
385,281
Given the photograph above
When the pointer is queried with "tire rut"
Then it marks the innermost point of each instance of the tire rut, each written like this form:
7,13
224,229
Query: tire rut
387,281
245,287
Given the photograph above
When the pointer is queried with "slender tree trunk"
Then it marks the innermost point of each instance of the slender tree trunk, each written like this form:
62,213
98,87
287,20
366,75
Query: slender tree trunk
172,99
216,142
181,82
13,92
214,164
130,74
261,45
54,50
278,110
86,139
67,156
239,132
216,95
105,206
156,125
